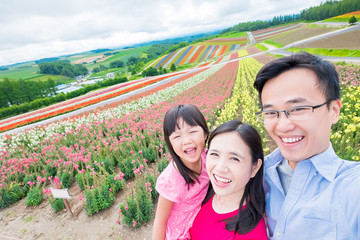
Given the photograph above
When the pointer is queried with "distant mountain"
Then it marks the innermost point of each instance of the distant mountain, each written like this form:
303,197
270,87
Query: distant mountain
177,39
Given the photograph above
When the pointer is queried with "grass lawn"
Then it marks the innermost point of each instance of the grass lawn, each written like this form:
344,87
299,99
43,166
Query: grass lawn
328,52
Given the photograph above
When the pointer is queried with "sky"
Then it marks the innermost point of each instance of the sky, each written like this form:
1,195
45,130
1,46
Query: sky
35,29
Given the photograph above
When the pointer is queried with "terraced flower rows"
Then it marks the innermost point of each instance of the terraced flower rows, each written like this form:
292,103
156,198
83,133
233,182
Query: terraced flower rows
344,17
198,53
263,34
79,102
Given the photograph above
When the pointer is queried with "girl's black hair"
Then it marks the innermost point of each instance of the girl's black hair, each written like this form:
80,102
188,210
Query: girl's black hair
191,116
254,197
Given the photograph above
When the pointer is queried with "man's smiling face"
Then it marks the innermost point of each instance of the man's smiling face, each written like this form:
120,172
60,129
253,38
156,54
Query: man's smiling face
299,140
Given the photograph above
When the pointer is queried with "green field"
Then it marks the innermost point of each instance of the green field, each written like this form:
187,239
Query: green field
30,70
122,55
24,71
328,52
233,35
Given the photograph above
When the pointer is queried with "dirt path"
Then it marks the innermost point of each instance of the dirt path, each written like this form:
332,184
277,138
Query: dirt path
42,223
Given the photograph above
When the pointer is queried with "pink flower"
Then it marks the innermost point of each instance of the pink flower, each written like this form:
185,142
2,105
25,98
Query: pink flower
80,197
134,224
109,189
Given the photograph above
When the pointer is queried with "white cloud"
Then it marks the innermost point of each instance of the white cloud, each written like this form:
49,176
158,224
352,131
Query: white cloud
34,29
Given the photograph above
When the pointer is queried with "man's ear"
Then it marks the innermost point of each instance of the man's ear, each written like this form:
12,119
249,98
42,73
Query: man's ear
335,108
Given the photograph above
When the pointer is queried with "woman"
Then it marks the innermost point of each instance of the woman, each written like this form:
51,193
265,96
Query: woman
235,203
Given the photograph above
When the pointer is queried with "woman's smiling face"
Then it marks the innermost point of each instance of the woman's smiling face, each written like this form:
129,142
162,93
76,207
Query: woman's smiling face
229,165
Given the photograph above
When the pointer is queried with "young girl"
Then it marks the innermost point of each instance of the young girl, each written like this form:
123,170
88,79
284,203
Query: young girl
235,204
182,186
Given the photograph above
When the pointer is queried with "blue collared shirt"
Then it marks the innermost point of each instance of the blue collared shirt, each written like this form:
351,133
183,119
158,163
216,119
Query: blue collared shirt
323,201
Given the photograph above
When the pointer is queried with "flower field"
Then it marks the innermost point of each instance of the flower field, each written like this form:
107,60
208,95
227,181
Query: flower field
79,102
196,53
121,147
263,34
344,18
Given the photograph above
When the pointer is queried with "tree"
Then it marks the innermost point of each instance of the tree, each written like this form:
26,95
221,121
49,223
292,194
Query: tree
96,70
8,91
173,67
51,87
132,61
352,20
117,64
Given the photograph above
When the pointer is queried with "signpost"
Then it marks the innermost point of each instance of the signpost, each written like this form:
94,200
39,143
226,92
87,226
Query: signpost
64,194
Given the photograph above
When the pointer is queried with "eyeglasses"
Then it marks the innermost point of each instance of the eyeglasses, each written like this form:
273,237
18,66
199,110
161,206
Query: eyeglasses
297,113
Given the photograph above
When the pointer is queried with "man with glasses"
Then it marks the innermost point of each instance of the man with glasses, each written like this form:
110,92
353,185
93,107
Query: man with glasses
310,192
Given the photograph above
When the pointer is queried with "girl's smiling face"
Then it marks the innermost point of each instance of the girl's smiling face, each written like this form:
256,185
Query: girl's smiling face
229,165
188,143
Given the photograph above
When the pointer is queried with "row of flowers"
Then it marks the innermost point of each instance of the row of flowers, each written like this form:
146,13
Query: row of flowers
125,141
270,32
34,136
196,53
79,102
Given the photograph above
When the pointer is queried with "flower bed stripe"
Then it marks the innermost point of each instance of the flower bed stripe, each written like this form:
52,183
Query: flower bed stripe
189,51
197,54
234,56
196,49
164,59
183,55
223,49
205,53
216,51
210,52
165,65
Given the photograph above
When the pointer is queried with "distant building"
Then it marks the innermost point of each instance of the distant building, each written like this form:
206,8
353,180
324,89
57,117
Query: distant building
61,86
110,75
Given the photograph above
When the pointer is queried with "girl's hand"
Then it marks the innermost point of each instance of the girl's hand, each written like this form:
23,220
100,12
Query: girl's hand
163,210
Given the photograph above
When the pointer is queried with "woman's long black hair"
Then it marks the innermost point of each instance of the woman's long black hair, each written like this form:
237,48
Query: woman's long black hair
193,117
254,197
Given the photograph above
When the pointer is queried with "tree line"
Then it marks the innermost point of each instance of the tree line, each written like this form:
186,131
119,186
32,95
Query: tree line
48,100
15,92
330,9
325,10
64,68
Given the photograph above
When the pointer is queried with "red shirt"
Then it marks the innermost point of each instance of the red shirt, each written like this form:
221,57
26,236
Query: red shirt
208,225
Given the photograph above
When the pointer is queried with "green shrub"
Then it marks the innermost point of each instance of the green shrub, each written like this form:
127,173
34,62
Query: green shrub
98,200
138,207
34,197
11,195
162,164
84,179
66,179
149,154
127,166
57,204
51,171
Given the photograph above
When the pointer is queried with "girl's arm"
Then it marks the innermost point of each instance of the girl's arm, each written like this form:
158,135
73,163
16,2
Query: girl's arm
162,214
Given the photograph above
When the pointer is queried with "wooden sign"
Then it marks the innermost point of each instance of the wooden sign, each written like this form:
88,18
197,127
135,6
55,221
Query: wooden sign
64,194
60,193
